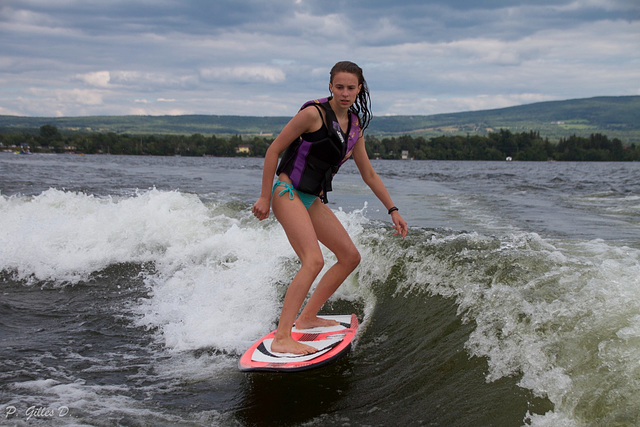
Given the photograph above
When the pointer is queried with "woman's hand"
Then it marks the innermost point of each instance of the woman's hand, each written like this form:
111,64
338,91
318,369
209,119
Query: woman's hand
399,224
261,208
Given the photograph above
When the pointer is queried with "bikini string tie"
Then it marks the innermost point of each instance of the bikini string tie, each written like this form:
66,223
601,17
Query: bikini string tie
287,189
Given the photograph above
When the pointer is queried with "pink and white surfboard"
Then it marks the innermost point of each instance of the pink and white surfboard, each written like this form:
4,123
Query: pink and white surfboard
332,342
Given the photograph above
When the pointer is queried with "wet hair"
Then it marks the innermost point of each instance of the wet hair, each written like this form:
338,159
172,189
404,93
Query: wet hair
362,106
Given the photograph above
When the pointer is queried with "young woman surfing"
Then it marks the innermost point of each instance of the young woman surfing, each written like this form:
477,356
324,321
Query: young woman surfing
317,140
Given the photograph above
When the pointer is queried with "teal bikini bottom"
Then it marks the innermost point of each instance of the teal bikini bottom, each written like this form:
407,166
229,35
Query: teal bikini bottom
306,198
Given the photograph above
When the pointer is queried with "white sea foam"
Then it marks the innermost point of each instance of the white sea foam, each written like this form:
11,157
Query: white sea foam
67,403
217,281
215,276
64,236
562,316
225,290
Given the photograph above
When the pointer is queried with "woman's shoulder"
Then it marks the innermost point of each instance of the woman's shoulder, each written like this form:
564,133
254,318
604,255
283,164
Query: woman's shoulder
317,101
309,119
308,111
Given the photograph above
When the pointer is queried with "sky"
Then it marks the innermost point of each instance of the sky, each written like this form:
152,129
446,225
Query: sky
267,57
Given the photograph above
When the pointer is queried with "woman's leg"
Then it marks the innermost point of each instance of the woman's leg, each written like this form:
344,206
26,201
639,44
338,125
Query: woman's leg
296,222
332,234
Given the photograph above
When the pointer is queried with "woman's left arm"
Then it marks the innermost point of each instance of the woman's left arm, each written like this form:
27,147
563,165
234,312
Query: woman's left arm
371,178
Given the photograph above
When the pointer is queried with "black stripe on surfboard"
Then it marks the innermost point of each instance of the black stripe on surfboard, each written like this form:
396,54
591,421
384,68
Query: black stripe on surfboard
343,324
263,349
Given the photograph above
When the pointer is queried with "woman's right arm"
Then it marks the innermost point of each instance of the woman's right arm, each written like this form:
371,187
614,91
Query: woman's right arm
307,120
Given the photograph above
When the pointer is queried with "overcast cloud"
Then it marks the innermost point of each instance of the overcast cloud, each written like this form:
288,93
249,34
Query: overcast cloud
265,58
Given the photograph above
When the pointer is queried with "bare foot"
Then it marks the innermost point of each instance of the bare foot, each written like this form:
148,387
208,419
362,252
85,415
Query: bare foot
289,345
314,322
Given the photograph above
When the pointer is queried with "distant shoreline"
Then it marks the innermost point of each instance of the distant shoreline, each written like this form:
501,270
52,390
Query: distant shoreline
614,116
496,146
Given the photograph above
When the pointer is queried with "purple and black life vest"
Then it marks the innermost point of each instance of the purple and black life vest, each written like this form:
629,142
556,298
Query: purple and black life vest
311,165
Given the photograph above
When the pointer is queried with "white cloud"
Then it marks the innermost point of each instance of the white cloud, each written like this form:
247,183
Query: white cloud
249,73
607,5
155,112
77,57
488,51
57,102
68,96
8,112
96,78
429,106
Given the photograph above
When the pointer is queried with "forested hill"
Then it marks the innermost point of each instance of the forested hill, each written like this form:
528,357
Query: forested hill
616,117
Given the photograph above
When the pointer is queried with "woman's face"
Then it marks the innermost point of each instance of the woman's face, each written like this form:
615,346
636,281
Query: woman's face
345,88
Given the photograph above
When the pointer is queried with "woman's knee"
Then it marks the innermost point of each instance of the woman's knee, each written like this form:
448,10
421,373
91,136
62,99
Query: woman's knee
351,258
314,263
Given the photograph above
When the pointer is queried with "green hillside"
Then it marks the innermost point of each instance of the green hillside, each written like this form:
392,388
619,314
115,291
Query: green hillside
616,117
160,125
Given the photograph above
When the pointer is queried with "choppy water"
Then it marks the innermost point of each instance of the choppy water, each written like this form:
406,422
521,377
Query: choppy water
130,286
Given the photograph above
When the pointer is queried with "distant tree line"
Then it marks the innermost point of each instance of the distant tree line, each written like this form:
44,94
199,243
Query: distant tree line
526,146
494,146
